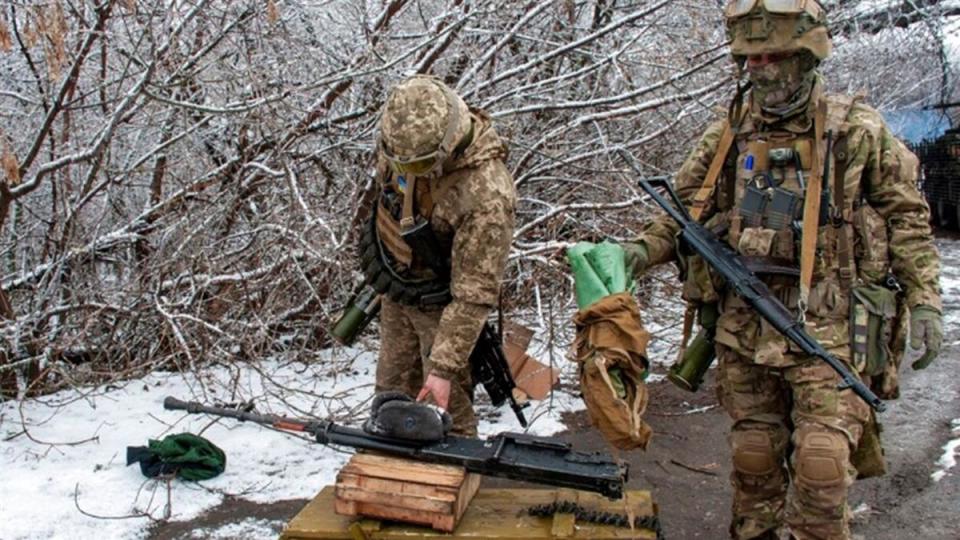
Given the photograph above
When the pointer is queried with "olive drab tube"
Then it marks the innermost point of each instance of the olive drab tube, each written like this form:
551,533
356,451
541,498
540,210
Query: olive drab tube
689,372
361,309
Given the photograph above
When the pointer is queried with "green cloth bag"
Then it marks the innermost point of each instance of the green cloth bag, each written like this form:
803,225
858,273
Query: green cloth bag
609,261
189,456
588,286
599,270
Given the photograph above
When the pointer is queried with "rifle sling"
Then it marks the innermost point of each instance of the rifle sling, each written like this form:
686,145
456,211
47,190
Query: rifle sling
811,209
702,197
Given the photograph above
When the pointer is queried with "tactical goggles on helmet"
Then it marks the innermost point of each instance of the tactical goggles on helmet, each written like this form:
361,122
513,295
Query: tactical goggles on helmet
426,163
739,8
416,165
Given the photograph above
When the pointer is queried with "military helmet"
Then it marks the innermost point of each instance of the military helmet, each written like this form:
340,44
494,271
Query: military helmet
421,123
777,26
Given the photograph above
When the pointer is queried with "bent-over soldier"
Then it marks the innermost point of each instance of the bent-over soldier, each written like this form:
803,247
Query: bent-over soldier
437,244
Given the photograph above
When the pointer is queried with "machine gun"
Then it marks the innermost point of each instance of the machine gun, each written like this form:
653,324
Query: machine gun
749,287
509,455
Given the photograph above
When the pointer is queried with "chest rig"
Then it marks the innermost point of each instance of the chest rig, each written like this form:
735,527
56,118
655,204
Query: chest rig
403,227
400,256
783,194
779,199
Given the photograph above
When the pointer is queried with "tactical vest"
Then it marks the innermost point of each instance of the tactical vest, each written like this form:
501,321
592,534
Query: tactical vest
400,255
760,183
760,189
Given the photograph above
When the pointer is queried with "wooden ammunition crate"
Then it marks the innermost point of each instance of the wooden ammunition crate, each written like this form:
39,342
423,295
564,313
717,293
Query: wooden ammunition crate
494,514
402,490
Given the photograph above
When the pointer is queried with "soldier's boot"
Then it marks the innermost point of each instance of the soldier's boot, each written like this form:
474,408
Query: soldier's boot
759,479
823,474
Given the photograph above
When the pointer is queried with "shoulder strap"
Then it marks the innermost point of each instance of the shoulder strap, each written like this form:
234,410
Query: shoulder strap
702,197
837,113
811,210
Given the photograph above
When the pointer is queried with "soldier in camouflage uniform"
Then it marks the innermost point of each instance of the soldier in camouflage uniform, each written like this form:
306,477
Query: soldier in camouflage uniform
463,194
794,432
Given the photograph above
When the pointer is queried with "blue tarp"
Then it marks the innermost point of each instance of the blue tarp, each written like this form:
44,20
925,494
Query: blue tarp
917,125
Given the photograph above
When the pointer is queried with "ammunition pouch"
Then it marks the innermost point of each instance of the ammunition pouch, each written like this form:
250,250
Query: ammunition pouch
868,458
398,284
426,248
874,309
878,324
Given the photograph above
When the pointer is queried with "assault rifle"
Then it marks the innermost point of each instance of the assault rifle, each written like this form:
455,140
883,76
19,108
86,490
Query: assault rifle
509,455
722,258
489,367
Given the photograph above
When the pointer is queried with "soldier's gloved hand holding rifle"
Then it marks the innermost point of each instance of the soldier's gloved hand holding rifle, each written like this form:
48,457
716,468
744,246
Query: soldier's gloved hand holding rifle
926,330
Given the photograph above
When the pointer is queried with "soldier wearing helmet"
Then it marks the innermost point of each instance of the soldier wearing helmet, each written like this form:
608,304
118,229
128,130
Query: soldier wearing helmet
792,162
437,243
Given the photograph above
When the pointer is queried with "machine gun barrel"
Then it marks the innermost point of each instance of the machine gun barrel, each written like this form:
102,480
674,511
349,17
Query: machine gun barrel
722,258
508,455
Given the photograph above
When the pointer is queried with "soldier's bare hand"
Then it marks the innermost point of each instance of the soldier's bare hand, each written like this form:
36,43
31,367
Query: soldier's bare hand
439,388
926,330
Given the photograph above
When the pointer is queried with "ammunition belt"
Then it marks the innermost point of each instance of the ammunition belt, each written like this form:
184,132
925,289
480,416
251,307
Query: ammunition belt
377,268
604,518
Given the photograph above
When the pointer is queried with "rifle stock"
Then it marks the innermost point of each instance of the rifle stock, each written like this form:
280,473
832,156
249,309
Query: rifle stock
489,367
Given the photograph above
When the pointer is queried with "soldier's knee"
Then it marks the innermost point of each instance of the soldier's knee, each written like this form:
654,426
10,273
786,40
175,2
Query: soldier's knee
754,452
821,459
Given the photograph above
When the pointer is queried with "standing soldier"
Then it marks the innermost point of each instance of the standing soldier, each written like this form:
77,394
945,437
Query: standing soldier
437,243
791,163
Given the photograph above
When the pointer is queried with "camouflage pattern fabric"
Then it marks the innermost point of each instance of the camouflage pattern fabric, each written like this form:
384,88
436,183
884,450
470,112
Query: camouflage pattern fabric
408,334
781,88
415,116
822,428
775,395
472,213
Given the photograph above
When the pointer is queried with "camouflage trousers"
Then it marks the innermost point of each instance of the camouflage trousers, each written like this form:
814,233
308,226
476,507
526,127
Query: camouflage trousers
406,336
792,437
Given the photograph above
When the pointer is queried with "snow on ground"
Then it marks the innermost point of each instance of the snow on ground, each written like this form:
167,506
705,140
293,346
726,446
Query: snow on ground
950,285
950,451
63,455
248,528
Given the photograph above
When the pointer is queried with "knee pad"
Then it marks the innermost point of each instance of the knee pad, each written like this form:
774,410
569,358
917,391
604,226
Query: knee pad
753,452
821,459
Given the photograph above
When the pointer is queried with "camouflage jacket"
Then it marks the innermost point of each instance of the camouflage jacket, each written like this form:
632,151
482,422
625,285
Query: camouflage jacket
880,186
472,213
